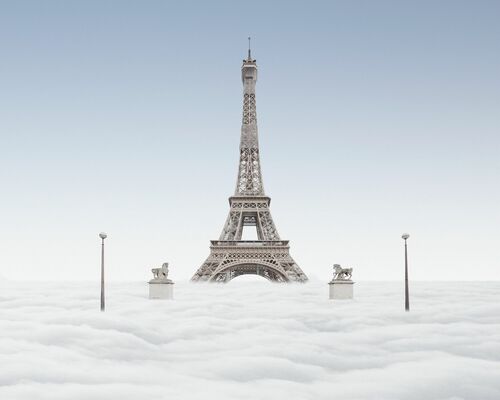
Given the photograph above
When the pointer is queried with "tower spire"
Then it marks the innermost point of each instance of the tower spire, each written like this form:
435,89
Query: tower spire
249,175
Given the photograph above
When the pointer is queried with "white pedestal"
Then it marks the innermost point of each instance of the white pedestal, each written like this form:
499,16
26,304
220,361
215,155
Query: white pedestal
341,290
161,290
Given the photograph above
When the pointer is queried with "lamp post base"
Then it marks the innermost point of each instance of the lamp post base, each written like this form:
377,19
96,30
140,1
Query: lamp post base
341,290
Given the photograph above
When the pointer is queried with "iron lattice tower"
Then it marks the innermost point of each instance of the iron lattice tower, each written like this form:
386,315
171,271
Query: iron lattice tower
230,256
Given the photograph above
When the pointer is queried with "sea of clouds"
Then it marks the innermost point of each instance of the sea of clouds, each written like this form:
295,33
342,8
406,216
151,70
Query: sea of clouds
249,340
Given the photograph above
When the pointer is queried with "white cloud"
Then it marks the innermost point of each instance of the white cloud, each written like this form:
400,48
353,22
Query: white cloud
249,340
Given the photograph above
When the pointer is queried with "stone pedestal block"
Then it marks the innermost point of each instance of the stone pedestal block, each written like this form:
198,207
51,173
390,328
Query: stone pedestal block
341,290
161,290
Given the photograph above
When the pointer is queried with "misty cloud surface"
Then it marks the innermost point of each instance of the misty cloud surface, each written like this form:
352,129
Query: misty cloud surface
249,340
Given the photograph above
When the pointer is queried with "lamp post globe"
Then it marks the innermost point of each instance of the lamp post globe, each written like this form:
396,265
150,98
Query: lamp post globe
405,236
103,235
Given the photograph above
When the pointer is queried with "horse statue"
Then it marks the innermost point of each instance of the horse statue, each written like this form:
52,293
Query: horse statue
341,274
160,273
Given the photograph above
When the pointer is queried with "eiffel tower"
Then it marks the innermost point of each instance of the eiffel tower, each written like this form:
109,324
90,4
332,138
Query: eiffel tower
230,256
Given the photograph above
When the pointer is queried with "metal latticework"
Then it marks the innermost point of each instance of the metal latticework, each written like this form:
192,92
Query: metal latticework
230,256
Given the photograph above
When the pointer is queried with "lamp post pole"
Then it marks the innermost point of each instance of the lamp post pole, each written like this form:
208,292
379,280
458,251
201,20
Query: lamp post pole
103,236
405,236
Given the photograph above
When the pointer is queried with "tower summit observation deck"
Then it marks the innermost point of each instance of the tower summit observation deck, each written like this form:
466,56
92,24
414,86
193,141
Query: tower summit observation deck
230,256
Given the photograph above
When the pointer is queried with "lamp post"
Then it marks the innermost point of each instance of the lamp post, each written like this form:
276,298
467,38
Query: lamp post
405,236
103,236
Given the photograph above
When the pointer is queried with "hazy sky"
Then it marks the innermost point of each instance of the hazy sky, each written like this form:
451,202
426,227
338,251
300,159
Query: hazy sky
375,118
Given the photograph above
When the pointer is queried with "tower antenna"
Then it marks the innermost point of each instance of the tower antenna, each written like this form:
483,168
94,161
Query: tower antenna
249,49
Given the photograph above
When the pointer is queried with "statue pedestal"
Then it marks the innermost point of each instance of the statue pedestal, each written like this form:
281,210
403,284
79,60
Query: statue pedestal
161,289
341,289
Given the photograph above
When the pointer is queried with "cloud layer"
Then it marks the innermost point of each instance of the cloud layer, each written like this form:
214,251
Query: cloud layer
249,340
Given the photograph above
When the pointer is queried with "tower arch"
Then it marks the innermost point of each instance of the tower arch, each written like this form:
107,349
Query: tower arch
233,270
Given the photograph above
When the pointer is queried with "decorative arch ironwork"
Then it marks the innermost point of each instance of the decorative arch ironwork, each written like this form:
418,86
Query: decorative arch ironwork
233,270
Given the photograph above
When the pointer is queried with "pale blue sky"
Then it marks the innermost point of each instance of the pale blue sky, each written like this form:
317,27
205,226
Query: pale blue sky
375,118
